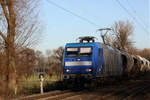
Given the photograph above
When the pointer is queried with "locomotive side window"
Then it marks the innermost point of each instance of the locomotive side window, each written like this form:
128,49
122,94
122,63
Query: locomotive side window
99,52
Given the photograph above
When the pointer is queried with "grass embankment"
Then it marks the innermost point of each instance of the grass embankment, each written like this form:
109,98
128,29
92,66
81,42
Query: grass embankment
32,85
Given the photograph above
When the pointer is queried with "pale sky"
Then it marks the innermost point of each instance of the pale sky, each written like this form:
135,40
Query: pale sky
60,27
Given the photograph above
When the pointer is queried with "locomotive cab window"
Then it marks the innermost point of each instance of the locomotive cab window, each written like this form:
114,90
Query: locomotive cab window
79,52
85,51
72,52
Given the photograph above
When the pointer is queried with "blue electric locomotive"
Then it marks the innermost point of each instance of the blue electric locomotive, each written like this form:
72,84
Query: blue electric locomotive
90,60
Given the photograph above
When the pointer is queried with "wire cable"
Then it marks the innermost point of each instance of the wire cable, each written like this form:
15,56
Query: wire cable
72,13
125,9
134,11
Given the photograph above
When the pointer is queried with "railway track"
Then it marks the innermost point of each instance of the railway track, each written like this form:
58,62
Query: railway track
40,96
106,95
140,91
126,93
55,95
126,90
62,96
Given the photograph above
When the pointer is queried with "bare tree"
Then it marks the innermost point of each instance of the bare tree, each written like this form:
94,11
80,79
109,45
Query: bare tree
25,62
58,54
122,31
19,25
49,54
41,61
53,61
57,62
144,53
120,35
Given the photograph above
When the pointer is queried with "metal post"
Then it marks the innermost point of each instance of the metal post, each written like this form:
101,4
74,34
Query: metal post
41,76
41,84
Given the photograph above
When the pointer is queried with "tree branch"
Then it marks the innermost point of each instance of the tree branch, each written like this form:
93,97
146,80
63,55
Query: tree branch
3,36
4,10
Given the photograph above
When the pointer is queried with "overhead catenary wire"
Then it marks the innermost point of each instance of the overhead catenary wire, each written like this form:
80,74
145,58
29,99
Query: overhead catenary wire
134,18
135,12
73,13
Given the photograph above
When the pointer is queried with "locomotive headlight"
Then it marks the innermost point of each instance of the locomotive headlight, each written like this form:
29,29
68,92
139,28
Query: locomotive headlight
67,70
89,70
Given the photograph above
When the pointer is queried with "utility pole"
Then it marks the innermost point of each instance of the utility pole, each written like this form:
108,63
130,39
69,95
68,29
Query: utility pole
103,33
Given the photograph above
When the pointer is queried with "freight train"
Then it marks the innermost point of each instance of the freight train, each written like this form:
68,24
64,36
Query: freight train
89,61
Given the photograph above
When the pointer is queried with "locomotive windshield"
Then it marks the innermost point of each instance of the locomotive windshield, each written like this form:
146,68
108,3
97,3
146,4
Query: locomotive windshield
79,51
85,51
72,52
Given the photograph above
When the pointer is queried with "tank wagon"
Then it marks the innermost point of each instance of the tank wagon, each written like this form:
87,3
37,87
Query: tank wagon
127,64
144,64
88,61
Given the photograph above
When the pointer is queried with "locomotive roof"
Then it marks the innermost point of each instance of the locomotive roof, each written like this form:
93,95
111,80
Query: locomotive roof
110,48
81,44
92,44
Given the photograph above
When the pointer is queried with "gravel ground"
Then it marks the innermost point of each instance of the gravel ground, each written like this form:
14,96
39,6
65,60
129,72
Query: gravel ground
134,89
